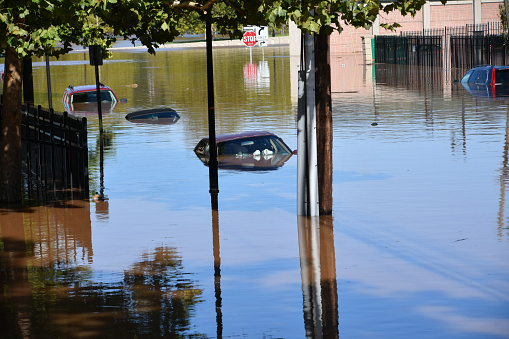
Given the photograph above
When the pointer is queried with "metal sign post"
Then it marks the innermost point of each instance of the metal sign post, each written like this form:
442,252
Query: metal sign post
249,39
96,59
48,83
213,176
262,36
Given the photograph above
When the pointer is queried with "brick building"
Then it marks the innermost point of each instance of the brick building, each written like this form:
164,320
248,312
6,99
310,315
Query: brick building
433,15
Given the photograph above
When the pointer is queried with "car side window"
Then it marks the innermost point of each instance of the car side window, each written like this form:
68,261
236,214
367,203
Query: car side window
502,77
260,144
230,147
107,96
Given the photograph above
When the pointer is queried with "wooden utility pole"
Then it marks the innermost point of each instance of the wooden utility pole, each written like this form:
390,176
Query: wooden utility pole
324,120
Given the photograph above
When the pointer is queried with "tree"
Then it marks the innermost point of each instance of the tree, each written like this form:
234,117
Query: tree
36,27
31,27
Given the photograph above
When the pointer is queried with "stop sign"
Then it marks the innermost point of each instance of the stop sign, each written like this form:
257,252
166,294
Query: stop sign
249,39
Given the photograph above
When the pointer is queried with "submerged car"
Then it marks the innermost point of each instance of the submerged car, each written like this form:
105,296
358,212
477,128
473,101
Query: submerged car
487,81
256,150
84,98
154,116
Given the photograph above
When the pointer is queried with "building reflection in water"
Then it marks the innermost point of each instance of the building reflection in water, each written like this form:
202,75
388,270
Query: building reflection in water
50,290
58,233
318,271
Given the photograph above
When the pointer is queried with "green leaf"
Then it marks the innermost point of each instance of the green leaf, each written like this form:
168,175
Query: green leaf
327,30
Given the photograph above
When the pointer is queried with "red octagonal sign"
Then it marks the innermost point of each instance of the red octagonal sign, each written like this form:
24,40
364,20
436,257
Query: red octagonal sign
249,39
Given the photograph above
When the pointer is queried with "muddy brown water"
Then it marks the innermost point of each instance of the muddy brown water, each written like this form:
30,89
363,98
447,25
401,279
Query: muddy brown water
417,245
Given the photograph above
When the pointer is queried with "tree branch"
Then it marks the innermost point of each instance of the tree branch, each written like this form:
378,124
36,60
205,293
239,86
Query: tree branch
196,6
238,10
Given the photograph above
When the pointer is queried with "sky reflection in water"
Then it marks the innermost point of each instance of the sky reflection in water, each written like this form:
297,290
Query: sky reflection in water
413,249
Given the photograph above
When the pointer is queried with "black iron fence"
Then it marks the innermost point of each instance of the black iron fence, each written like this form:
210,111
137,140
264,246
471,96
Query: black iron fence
456,47
55,153
408,50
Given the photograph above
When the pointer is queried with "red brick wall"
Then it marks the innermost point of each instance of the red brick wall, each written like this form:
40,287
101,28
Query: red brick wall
349,41
451,16
489,11
407,22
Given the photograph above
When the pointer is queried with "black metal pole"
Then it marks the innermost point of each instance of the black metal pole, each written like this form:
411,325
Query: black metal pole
100,113
213,181
28,80
48,82
101,169
98,93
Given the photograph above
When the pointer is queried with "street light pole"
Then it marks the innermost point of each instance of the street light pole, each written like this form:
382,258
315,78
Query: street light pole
213,180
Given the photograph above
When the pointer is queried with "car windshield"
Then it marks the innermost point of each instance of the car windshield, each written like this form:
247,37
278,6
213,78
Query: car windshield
467,76
479,77
106,96
262,145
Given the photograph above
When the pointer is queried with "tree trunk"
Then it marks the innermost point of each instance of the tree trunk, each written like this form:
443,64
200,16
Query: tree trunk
10,138
323,121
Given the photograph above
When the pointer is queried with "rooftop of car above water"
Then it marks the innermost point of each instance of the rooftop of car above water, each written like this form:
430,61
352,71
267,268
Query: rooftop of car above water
242,135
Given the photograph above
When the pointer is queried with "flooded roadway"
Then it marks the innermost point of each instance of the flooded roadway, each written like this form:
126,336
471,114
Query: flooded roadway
416,246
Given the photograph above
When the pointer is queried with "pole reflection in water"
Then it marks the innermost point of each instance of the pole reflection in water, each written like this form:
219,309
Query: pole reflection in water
101,164
217,267
504,176
318,271
99,197
101,206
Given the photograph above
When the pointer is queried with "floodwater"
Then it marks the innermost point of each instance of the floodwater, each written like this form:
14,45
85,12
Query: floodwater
417,246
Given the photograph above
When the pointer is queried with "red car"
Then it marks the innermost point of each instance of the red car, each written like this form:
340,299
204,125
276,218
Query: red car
256,150
84,98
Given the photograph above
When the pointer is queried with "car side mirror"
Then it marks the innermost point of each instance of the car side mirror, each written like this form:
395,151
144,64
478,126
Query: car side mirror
123,100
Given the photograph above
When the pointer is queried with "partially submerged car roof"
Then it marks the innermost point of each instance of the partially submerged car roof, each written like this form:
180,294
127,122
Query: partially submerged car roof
253,150
86,88
83,98
234,136
487,81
